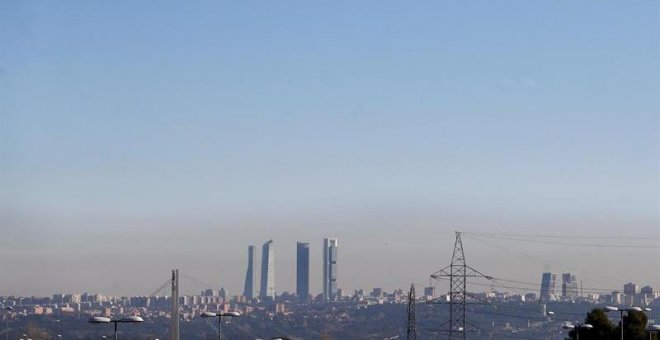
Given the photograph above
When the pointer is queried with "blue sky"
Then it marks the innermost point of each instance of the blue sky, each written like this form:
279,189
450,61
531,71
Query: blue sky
283,116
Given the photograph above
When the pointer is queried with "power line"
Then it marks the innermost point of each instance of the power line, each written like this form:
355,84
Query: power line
573,244
565,237
537,259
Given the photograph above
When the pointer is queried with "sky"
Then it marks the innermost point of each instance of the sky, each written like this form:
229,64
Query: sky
141,136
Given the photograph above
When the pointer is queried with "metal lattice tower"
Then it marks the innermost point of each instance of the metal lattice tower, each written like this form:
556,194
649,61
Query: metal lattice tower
411,323
458,272
174,321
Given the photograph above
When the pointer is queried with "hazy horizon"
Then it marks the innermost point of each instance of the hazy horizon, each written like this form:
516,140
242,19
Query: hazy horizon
139,137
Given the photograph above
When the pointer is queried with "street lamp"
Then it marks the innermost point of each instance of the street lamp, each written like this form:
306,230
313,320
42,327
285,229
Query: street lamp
551,316
577,327
653,329
219,316
621,310
7,309
128,319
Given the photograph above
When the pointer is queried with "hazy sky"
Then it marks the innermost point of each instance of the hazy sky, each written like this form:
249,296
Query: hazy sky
140,136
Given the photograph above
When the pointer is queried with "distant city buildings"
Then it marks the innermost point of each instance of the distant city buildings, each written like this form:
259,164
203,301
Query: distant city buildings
548,284
569,286
302,270
329,269
630,291
630,288
429,292
549,287
249,290
267,271
647,291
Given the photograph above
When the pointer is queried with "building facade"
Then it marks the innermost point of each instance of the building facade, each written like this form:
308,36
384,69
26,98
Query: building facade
302,270
330,269
249,290
267,271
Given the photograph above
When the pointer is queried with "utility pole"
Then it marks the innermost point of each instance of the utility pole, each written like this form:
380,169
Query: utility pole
411,323
458,272
174,322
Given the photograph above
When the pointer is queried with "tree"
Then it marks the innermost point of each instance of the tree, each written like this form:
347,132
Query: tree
603,327
634,326
35,332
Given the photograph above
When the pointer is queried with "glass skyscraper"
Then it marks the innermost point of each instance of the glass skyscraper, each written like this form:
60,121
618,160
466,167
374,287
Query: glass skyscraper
250,290
548,286
329,269
302,270
569,286
267,271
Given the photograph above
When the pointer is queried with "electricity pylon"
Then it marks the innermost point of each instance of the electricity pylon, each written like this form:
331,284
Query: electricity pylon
174,321
458,272
411,323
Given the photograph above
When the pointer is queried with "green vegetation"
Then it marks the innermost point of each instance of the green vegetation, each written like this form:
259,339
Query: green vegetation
634,327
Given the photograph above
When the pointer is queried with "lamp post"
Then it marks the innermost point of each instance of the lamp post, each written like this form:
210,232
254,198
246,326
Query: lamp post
621,310
653,329
577,327
551,315
219,316
128,319
7,309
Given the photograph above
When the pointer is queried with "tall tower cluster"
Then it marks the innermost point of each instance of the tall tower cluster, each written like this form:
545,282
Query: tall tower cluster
550,287
267,282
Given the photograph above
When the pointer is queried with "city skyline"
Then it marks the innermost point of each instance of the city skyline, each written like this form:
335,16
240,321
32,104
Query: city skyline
151,136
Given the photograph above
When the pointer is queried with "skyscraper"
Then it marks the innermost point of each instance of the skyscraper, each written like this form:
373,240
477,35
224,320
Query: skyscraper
250,290
548,284
302,270
329,269
569,286
630,288
267,271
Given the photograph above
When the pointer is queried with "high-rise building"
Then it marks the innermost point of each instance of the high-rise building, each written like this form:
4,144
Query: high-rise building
429,291
250,291
569,286
329,269
647,290
548,284
630,288
209,292
267,271
302,270
630,291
